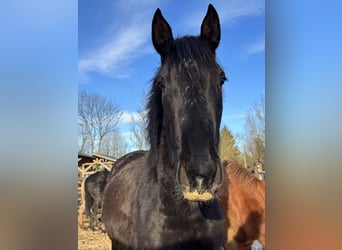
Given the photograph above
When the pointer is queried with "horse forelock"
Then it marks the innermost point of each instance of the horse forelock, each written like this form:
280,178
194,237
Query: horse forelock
190,48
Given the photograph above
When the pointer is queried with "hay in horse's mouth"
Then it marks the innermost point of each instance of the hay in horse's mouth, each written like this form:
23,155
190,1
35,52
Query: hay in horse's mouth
196,196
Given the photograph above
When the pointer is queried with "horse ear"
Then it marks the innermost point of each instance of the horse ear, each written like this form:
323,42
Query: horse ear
210,28
161,34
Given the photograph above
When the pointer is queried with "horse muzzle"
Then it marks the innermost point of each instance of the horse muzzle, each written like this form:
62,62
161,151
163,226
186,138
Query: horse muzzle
198,187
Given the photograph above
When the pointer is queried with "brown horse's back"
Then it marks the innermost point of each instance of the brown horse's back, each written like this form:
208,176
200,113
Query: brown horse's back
242,199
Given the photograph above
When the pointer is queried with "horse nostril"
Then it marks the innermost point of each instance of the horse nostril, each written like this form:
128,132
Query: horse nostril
182,177
218,179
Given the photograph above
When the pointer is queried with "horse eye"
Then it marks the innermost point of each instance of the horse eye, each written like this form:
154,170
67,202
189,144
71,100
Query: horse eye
223,79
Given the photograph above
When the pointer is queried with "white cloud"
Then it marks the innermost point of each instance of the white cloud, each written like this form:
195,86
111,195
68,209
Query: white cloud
131,33
128,116
256,47
231,10
228,11
112,57
131,38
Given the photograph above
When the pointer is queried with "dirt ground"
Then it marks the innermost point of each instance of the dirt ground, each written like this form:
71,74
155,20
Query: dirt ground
92,240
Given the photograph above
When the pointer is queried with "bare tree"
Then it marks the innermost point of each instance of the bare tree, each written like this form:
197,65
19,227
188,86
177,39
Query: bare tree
115,145
254,139
138,130
139,137
83,139
98,117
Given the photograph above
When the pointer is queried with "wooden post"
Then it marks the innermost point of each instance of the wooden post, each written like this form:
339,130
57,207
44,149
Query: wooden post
244,161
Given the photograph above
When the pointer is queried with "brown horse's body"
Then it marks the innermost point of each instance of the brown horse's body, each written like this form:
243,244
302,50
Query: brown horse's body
242,199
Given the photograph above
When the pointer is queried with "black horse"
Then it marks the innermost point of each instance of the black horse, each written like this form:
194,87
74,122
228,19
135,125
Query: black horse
94,186
122,161
166,198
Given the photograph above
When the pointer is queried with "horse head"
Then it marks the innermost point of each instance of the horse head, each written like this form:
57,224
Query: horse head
185,105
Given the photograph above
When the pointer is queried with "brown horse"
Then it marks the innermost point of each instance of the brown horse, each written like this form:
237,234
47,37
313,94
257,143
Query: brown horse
242,199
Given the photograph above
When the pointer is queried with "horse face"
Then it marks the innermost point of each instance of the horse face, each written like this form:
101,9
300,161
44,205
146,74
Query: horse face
190,83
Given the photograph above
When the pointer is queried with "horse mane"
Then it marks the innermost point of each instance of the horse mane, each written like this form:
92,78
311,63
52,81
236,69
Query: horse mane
240,175
188,54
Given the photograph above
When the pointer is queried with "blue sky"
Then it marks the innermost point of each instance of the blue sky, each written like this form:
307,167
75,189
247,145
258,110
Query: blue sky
117,58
